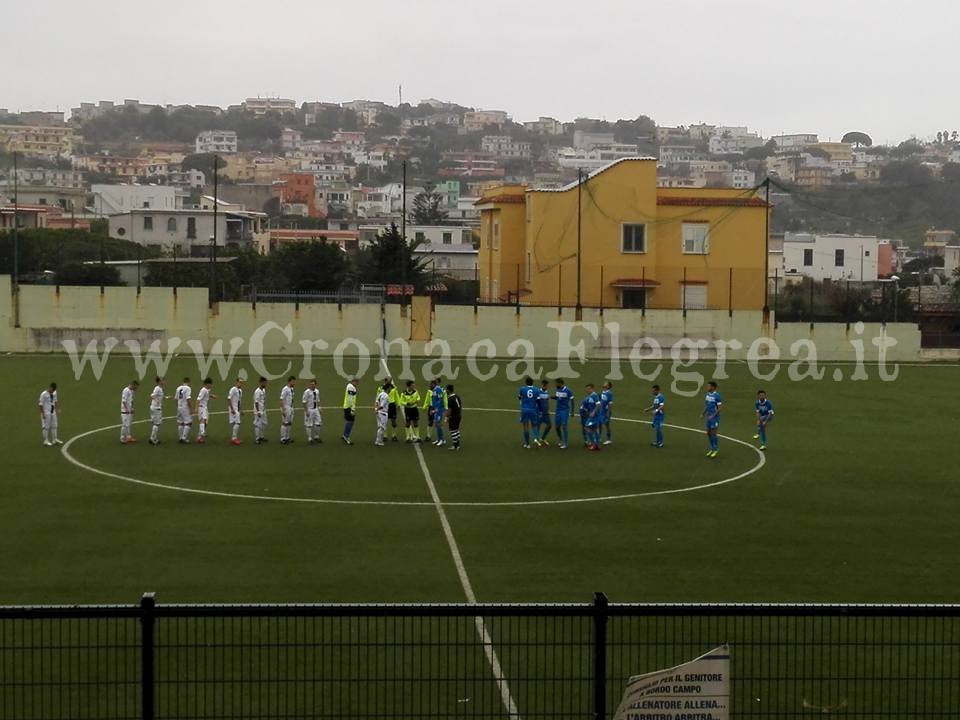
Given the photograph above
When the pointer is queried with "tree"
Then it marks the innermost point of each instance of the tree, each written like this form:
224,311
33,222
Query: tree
305,266
860,139
427,207
384,260
202,162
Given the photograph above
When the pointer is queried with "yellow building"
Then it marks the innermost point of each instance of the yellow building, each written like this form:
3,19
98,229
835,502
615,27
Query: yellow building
640,246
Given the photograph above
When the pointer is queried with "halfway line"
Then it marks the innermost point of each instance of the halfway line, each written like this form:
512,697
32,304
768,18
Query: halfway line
505,696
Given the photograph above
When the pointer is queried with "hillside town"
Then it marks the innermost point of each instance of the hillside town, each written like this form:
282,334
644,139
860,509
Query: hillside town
290,172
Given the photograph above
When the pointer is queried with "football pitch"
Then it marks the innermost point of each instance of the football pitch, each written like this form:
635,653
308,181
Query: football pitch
854,501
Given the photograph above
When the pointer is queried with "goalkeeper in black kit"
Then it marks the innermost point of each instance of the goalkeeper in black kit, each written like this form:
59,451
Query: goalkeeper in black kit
454,417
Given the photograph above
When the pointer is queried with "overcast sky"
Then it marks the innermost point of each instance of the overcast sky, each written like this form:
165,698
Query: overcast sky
826,66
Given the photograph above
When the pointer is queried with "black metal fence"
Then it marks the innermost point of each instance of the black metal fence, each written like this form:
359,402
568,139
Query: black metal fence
486,661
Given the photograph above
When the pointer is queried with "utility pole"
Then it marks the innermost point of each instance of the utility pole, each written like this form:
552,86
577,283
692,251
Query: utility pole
16,246
766,251
579,309
403,240
213,244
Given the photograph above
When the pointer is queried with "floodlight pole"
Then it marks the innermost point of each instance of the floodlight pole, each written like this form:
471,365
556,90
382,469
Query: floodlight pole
16,246
213,238
766,251
579,308
403,243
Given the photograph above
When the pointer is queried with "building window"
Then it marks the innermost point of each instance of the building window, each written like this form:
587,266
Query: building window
696,238
448,238
148,222
419,237
171,225
694,297
529,263
634,239
191,228
496,235
808,257
838,257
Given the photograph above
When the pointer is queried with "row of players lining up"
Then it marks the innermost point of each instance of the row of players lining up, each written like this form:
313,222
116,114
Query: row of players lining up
441,403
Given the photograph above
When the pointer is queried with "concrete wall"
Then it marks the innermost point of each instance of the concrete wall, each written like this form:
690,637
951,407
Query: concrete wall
82,314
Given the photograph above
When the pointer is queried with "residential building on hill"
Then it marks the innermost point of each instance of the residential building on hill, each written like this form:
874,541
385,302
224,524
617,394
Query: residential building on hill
221,142
113,199
38,140
504,147
639,245
836,257
477,120
262,106
188,232
544,126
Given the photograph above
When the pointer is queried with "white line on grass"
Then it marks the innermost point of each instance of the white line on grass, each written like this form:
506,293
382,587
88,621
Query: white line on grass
761,461
505,696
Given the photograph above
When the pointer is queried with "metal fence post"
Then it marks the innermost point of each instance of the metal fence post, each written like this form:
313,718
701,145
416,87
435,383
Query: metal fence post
600,656
147,627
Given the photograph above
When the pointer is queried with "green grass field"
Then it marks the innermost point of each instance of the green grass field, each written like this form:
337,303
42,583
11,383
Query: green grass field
856,501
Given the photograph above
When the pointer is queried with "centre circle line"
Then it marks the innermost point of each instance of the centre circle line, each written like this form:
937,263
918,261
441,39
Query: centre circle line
65,451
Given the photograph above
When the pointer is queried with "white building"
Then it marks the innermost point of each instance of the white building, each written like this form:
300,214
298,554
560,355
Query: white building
262,106
45,177
113,199
831,257
679,153
477,120
189,231
733,144
600,156
504,147
221,142
585,140
795,141
544,126
367,111
951,261
290,139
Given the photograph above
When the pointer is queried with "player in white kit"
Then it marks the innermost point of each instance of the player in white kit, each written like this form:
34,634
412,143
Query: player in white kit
382,410
184,419
49,404
311,412
260,412
126,412
286,410
157,397
235,410
202,409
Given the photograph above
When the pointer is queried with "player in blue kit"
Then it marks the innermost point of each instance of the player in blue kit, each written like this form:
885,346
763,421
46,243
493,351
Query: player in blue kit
438,404
583,421
543,413
657,408
591,423
529,416
606,410
712,404
564,399
764,409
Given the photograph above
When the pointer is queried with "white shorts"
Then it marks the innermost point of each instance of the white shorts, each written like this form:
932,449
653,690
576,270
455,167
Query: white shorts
312,418
203,415
184,417
286,416
156,416
45,419
260,420
382,420
234,418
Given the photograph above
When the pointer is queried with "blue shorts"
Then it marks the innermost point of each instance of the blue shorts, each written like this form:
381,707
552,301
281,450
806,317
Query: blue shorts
562,418
544,418
591,421
531,417
605,418
713,424
658,421
438,415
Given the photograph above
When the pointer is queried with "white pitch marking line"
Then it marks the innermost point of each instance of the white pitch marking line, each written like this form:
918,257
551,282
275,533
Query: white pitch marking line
505,696
412,503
